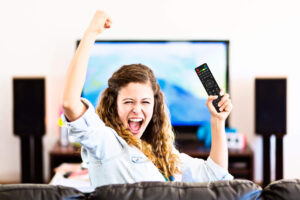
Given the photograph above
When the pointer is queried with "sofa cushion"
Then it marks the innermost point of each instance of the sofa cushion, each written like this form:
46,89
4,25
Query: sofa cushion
38,192
234,189
282,189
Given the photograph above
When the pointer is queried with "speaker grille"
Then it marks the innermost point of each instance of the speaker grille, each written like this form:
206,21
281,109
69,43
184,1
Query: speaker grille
29,106
270,106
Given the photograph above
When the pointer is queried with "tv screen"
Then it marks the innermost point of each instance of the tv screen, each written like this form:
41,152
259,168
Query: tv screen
173,63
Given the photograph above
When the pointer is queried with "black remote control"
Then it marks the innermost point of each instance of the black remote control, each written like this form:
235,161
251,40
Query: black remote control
209,83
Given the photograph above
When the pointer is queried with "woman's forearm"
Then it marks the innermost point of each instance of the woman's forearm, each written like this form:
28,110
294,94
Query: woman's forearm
73,108
219,150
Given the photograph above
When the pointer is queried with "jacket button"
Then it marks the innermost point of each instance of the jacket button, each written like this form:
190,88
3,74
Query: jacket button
135,159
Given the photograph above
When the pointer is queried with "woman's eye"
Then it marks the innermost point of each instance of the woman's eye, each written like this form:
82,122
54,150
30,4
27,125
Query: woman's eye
128,102
146,102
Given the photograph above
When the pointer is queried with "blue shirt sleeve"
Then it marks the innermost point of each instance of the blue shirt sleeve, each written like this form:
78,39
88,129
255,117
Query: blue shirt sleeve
89,130
199,170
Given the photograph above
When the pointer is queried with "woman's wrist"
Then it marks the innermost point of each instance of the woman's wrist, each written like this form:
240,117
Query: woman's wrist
217,122
217,125
90,36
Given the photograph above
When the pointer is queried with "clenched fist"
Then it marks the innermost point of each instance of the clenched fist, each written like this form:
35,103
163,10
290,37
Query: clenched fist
99,23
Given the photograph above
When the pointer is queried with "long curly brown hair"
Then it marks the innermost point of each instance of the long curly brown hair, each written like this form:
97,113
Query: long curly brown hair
157,140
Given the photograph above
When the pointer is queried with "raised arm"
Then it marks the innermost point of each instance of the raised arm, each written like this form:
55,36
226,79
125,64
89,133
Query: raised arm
219,151
72,106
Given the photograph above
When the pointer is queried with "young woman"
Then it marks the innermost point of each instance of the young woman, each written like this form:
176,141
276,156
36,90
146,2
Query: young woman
129,137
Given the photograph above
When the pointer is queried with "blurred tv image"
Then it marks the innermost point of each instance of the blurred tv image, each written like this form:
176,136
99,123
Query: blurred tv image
173,63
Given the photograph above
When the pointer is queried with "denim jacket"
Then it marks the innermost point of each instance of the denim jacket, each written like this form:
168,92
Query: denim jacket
111,160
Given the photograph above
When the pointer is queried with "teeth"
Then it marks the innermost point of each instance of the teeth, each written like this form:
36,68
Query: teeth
135,120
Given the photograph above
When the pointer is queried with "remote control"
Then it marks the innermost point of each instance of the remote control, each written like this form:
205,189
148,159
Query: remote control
209,83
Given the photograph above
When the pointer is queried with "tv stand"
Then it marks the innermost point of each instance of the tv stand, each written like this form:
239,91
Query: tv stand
186,137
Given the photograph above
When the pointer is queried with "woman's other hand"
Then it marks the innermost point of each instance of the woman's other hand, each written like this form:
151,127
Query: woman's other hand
99,23
225,106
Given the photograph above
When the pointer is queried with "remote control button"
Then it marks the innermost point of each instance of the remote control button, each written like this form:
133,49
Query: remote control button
209,83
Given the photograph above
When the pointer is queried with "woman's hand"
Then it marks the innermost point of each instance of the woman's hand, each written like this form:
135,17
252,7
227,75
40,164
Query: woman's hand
99,23
225,106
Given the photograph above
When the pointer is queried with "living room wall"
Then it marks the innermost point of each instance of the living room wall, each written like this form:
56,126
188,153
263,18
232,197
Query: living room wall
37,38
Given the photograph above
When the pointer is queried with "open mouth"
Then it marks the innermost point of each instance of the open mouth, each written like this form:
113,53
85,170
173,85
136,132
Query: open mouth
135,125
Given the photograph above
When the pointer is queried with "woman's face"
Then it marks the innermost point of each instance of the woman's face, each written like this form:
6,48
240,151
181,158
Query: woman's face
135,104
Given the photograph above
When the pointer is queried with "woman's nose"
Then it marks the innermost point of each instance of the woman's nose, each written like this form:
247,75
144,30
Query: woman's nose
137,108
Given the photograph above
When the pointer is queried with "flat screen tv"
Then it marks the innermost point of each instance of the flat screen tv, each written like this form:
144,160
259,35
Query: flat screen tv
173,63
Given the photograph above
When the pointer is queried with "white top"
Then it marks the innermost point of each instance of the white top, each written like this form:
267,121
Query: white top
111,160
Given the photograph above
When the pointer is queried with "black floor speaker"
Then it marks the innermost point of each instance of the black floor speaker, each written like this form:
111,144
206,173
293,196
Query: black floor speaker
270,106
271,119
29,106
29,125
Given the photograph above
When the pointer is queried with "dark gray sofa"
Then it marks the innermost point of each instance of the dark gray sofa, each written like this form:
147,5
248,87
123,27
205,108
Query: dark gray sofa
236,189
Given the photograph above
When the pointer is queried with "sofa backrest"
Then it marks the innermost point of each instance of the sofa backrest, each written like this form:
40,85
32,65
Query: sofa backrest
38,192
282,189
221,190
